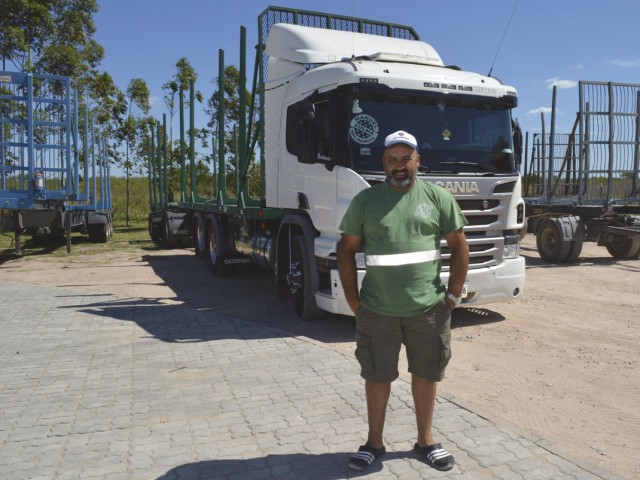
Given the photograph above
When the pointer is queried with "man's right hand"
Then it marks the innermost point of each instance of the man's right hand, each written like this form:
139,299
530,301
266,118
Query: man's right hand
347,249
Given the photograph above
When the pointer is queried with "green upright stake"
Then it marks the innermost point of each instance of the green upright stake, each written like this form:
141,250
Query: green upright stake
241,146
221,163
165,158
183,171
192,153
151,173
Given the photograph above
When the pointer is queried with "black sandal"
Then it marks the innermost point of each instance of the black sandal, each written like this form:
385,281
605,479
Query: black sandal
435,456
364,457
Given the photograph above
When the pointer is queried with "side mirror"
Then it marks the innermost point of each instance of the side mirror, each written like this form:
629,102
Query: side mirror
517,142
307,133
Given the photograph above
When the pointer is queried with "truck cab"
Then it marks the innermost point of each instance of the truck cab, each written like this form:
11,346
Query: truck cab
331,98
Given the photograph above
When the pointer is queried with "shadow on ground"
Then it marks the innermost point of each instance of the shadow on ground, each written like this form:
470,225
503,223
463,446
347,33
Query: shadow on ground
298,466
203,303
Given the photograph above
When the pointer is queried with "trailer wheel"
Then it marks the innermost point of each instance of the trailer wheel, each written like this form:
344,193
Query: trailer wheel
217,247
575,249
98,233
167,237
103,233
624,247
549,240
303,281
154,234
199,235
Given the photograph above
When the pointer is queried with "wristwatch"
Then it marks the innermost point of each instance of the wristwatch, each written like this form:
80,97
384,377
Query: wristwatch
456,300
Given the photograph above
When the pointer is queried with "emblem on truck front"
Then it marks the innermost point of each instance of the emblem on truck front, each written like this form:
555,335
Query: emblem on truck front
459,187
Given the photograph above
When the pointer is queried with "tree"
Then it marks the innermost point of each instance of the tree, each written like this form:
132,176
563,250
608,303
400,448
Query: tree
232,118
55,37
184,75
134,128
50,36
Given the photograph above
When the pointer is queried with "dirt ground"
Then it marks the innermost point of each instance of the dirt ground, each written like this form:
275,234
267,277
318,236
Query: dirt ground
561,364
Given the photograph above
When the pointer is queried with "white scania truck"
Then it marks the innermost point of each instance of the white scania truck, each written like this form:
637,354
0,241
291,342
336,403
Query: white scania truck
328,89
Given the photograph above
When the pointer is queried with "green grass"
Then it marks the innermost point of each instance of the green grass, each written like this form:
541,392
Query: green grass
138,198
133,236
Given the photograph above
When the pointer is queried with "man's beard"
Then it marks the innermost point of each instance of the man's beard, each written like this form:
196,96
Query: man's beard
401,183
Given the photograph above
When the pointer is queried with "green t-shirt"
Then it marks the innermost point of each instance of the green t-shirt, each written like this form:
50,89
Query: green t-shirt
401,233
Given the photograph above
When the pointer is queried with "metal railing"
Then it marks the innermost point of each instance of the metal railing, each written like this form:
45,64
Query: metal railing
598,162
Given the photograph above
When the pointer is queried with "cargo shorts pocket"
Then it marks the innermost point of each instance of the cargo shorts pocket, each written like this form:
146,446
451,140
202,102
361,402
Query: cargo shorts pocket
378,359
445,350
364,354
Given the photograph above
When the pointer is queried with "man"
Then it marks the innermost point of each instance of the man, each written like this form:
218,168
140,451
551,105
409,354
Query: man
402,300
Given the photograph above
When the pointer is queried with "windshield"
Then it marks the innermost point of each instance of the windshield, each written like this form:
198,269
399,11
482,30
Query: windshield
454,135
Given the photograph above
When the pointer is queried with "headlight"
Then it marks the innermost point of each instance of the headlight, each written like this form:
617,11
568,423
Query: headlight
511,250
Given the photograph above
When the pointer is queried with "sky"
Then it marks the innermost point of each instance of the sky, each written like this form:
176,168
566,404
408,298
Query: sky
529,44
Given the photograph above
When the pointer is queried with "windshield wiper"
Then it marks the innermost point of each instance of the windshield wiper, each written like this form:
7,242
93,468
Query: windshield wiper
476,165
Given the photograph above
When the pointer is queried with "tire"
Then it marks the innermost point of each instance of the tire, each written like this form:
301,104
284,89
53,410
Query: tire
169,240
624,248
575,249
153,232
103,233
98,233
217,247
302,279
200,235
549,241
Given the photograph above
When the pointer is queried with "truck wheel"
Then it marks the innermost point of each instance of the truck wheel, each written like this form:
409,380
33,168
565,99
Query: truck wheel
549,241
217,247
199,235
624,247
303,281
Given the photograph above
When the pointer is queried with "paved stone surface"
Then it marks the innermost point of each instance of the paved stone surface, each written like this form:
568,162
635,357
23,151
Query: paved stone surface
98,387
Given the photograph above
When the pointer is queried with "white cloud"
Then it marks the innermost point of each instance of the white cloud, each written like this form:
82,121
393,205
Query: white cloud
153,100
557,82
538,110
625,63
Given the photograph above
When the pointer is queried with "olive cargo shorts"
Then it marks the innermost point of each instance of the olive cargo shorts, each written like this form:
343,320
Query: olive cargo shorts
427,339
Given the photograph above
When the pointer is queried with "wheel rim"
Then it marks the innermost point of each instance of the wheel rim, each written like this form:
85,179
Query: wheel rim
213,248
550,243
549,240
201,243
166,230
295,280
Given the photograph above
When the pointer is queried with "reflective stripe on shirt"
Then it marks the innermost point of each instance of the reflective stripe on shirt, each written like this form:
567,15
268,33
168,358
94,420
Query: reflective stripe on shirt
402,258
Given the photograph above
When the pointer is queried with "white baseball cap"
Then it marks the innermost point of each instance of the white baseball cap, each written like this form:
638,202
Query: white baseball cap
400,137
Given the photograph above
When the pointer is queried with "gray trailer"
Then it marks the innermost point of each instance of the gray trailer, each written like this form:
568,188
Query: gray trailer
54,172
584,186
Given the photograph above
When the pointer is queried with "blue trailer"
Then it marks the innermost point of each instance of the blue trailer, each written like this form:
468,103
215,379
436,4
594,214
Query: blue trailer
54,170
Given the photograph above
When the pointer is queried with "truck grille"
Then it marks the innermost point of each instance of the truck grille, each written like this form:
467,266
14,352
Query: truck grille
484,236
